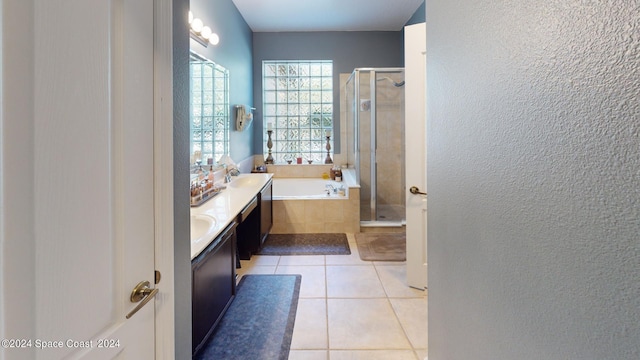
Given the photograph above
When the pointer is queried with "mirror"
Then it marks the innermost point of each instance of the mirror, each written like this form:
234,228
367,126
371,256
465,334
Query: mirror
209,118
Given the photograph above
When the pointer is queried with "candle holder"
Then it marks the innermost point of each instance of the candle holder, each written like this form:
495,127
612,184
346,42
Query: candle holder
328,160
269,159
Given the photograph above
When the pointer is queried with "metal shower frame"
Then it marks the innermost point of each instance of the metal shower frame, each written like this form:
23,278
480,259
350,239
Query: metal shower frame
355,76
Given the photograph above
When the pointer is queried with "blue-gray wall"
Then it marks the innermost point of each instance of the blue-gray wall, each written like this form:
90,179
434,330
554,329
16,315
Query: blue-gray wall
418,16
533,179
348,50
181,209
234,52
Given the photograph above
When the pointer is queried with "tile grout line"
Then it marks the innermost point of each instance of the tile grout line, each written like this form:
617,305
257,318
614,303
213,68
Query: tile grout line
395,313
388,295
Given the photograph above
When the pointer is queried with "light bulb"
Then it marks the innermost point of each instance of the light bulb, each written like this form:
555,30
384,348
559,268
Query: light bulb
206,32
197,25
214,39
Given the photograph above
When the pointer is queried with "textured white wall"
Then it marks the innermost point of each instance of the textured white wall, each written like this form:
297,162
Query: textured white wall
17,235
534,179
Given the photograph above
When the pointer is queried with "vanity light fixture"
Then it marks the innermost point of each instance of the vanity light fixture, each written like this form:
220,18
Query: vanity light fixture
202,33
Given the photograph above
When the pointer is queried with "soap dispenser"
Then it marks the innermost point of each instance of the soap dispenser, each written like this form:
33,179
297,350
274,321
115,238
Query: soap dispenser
200,174
338,174
210,175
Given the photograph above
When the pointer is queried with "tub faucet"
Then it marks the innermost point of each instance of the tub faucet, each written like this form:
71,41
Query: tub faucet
330,188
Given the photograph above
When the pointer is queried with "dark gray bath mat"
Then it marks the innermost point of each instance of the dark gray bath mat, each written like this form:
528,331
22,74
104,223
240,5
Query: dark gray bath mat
259,322
306,244
382,246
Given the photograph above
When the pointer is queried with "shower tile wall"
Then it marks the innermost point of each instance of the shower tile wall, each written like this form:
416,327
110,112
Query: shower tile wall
390,154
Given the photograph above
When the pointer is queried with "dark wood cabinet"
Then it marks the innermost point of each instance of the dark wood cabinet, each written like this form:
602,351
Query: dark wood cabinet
213,285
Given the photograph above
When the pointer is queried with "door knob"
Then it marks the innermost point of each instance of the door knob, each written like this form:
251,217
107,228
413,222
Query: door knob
141,292
414,190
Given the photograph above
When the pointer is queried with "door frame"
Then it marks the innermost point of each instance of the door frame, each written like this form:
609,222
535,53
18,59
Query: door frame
416,155
165,332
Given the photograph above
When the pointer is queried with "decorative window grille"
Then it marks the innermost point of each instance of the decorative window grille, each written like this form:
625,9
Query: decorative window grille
298,105
209,109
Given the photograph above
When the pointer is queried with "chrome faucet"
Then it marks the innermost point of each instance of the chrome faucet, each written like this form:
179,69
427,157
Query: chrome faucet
227,175
229,172
329,188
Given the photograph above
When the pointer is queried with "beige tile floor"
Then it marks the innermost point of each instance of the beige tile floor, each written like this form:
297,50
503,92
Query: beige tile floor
351,309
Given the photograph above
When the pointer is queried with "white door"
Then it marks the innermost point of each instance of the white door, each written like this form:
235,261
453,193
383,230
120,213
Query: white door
93,104
416,154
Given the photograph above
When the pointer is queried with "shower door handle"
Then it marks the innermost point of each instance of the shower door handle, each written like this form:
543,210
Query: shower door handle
414,190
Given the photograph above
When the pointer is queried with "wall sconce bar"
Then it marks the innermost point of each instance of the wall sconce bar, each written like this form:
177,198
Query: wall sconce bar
201,33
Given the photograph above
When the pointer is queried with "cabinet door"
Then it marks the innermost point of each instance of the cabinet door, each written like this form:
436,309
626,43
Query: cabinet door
266,211
213,285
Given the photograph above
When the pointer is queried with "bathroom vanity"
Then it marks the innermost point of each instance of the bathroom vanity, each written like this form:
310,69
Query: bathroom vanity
239,217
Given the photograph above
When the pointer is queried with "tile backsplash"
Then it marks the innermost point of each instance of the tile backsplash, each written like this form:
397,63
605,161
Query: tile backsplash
299,171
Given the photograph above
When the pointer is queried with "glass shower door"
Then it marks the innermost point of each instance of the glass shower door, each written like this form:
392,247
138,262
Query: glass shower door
376,117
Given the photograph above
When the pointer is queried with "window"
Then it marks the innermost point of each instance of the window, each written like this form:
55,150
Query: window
298,105
209,109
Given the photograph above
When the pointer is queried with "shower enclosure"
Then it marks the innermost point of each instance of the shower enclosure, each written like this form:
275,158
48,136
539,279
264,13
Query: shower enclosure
375,142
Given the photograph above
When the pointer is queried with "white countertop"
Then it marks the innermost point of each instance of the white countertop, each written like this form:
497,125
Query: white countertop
226,206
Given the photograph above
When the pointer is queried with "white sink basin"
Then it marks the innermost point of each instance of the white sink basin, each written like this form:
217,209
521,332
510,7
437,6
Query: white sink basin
244,181
202,227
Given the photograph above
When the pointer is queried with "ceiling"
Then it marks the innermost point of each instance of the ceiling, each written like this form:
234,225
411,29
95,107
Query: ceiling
326,15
